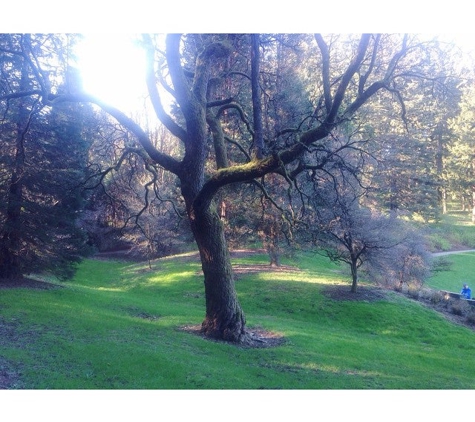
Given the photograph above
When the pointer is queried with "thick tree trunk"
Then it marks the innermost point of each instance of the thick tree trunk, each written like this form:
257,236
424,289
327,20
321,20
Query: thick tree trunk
224,317
274,256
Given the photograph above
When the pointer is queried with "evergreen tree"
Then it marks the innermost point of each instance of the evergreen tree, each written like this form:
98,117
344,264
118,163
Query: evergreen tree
43,160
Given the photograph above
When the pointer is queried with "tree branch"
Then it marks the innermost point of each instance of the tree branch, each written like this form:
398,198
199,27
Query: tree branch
164,160
325,71
347,76
169,123
258,139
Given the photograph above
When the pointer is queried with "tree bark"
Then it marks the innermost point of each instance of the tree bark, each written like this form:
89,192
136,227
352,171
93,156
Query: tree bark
354,276
473,204
224,317
439,160
10,241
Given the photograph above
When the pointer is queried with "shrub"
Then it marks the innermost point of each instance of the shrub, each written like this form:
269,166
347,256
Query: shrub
436,297
471,318
459,307
441,244
441,264
413,291
425,294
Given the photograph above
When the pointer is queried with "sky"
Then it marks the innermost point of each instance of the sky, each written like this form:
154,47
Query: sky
112,68
107,24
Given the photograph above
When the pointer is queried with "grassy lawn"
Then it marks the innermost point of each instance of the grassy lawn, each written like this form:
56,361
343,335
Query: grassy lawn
118,326
454,231
458,269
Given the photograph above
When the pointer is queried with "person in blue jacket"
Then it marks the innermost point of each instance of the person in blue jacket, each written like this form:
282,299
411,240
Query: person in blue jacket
466,292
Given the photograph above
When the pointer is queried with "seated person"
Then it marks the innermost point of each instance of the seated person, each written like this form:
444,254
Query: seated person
466,292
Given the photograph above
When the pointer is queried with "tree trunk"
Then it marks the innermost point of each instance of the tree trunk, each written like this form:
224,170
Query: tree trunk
274,255
224,317
10,265
444,200
258,141
473,204
473,188
440,169
354,275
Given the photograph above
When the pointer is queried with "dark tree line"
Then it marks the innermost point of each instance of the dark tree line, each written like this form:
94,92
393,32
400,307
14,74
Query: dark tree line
43,158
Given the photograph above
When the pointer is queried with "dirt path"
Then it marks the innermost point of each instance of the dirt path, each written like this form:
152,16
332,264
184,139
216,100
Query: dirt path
452,252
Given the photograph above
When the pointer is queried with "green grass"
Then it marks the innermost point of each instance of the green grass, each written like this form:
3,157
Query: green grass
454,231
117,326
459,269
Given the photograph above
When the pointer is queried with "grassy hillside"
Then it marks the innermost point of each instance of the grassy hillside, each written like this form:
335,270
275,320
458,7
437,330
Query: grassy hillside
454,231
457,269
119,326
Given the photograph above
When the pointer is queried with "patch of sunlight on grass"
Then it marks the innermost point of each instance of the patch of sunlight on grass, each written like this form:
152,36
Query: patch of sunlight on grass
45,277
316,367
109,289
99,288
461,269
303,277
191,258
169,278
337,370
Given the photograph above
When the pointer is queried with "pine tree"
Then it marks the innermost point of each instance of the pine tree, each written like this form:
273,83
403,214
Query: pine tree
42,165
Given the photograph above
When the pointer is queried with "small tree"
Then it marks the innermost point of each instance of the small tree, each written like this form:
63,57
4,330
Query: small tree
351,233
408,262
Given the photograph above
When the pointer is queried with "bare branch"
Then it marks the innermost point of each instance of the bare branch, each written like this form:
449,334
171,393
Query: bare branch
239,146
325,71
21,94
169,123
167,162
258,139
347,76
241,112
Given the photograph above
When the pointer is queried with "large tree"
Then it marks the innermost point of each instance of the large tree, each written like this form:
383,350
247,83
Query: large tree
198,72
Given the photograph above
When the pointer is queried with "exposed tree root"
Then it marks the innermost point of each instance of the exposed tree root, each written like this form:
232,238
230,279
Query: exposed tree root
253,337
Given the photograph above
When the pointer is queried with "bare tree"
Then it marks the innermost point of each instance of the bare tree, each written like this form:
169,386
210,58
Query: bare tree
347,231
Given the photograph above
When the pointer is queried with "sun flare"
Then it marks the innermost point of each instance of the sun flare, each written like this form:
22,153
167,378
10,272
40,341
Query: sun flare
112,68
